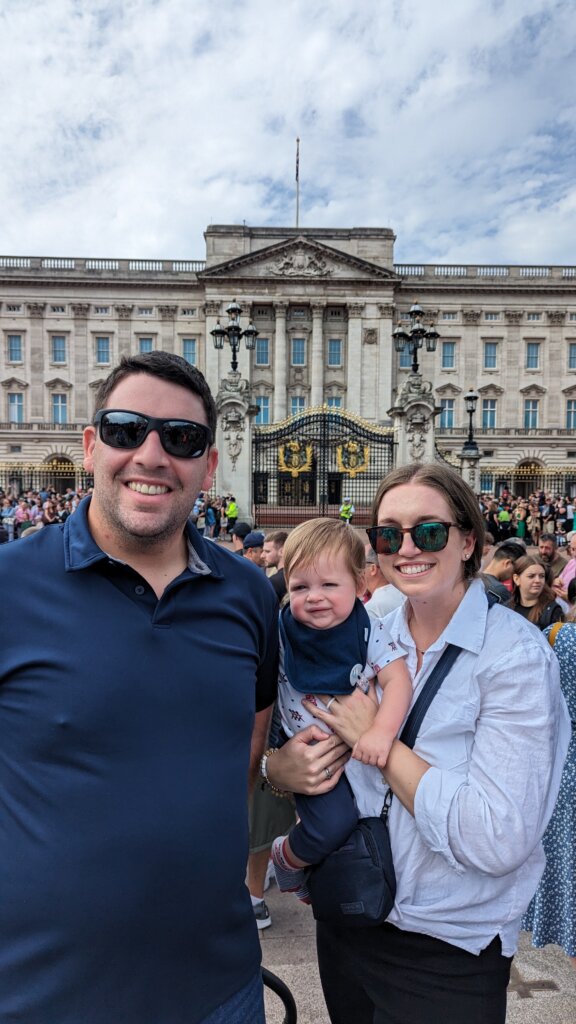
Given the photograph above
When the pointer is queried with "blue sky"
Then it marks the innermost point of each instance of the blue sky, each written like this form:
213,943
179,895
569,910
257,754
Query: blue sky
128,128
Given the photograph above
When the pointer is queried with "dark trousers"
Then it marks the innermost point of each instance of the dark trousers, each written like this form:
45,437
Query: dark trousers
388,976
325,823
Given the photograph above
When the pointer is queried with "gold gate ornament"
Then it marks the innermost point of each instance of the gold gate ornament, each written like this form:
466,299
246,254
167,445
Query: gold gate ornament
295,458
352,458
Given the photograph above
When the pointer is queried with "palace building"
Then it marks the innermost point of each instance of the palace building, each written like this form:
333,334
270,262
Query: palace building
325,303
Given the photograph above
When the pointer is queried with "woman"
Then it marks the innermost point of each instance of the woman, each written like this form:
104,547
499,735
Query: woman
551,916
520,516
531,595
568,573
471,801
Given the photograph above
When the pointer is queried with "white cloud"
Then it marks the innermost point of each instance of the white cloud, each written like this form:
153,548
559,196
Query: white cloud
128,128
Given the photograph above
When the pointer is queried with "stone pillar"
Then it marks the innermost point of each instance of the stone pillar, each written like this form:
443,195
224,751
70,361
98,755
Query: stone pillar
512,368
413,418
124,314
82,354
354,359
317,360
280,362
168,314
469,462
234,441
212,363
386,355
37,360
553,366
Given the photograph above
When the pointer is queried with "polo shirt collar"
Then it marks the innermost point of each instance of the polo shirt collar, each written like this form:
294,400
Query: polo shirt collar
81,550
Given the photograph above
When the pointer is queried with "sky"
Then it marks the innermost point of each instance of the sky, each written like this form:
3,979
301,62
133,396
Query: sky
129,126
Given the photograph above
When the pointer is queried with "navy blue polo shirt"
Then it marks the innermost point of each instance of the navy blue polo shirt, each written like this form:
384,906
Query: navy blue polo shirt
125,728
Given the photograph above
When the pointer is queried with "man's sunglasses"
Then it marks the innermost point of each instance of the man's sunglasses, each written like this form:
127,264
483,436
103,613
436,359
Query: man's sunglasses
119,428
387,540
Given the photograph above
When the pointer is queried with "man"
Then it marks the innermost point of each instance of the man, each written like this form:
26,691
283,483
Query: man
254,548
384,597
127,725
231,513
273,557
500,569
346,511
238,533
550,555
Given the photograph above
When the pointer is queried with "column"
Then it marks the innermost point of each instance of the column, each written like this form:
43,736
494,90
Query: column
124,314
168,314
386,362
37,359
83,353
280,360
513,376
211,361
317,359
354,360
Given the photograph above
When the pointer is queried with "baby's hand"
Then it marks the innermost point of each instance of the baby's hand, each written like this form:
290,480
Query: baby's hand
372,748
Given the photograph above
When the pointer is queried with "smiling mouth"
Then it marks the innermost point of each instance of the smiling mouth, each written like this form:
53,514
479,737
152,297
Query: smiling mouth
413,570
147,488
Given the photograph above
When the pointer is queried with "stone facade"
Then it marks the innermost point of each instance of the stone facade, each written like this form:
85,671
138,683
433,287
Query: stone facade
325,303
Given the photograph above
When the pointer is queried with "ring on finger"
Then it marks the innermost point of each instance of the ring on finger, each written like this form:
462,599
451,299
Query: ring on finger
330,702
327,773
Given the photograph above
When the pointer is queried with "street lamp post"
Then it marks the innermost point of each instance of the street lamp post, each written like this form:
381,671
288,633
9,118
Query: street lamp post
470,448
416,336
233,333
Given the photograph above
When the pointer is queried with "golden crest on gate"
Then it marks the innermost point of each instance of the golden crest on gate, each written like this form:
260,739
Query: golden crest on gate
352,458
294,457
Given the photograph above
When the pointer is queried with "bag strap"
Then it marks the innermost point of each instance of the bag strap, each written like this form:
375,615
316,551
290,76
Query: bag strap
554,633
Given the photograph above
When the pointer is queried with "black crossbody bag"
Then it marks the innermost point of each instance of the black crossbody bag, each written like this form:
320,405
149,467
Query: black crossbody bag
355,885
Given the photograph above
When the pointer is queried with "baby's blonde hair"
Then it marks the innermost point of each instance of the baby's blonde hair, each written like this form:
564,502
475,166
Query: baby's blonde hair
316,537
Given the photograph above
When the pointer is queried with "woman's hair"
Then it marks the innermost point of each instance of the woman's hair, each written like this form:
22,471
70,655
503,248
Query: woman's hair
460,497
547,595
317,537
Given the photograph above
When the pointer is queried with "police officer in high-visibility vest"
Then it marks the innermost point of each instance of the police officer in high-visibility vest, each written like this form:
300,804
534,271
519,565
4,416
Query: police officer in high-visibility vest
347,510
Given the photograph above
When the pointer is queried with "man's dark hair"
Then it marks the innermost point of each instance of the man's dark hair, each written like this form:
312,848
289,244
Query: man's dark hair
548,536
166,366
277,537
508,549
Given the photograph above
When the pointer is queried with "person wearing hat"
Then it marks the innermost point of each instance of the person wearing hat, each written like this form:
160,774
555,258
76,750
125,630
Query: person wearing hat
231,513
254,548
238,533
346,511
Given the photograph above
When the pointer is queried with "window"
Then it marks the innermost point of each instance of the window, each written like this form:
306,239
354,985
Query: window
533,355
300,313
59,408
491,316
297,404
15,407
189,350
14,348
448,355
102,310
17,308
263,415
571,316
571,414
488,413
334,352
262,311
144,345
490,355
447,414
530,413
57,309
102,349
448,316
405,361
298,351
532,317
189,311
334,402
145,310
262,352
572,355
58,348
335,314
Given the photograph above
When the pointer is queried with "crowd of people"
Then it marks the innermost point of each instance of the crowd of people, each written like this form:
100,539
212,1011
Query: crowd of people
126,844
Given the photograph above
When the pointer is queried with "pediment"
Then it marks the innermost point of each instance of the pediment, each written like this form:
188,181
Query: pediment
14,382
532,389
491,389
448,389
299,259
59,384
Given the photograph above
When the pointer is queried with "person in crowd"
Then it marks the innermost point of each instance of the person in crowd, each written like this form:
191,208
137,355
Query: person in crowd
493,522
383,597
231,513
532,596
120,900
568,573
346,511
328,643
471,801
519,518
504,521
253,547
497,575
551,916
238,534
273,557
533,524
209,519
49,515
549,554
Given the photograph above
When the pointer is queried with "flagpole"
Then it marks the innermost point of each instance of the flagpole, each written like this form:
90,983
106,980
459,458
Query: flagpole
297,182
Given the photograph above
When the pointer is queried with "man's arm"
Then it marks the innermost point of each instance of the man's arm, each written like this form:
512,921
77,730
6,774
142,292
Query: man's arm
258,743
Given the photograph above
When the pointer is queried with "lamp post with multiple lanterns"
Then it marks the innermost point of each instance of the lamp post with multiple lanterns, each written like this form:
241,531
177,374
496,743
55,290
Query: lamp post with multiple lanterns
416,336
233,333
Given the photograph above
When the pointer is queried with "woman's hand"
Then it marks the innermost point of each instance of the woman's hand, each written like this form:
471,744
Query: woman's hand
349,717
310,763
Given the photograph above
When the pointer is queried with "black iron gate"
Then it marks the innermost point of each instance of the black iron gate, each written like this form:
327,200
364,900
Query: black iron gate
309,465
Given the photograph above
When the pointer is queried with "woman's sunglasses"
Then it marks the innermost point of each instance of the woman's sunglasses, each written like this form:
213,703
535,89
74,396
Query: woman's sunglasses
184,439
387,540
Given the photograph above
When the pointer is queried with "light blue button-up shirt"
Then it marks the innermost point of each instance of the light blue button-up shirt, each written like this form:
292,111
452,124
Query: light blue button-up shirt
496,736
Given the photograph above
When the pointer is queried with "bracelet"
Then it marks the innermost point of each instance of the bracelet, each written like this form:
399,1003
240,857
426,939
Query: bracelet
264,771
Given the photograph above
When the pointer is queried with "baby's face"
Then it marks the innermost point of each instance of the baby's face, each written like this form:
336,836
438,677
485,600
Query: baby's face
322,595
